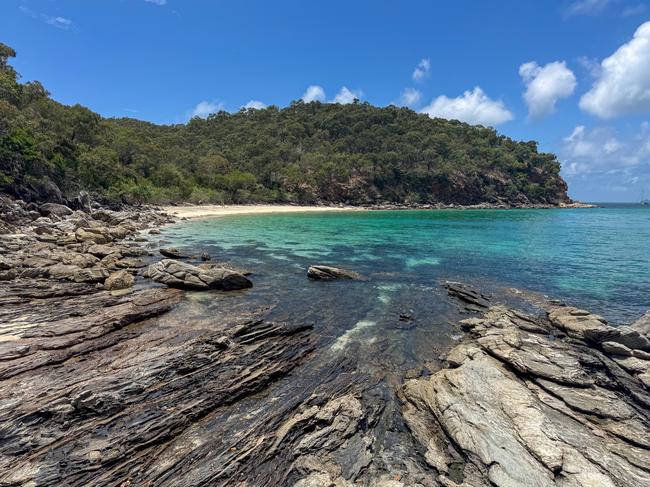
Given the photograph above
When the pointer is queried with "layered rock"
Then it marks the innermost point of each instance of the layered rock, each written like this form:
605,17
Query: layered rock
186,276
521,405
328,273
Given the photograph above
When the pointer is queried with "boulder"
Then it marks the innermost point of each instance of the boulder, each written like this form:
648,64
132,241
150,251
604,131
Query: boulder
186,276
48,209
329,273
119,280
172,253
85,235
77,274
205,256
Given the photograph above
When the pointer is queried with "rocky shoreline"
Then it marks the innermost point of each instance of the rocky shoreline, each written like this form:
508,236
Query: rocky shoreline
98,388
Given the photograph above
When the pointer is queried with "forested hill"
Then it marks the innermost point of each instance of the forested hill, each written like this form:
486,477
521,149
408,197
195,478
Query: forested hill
305,153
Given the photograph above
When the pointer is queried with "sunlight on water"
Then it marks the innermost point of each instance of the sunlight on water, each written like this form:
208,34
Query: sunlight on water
596,258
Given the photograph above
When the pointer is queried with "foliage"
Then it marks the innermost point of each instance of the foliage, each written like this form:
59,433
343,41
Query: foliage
306,152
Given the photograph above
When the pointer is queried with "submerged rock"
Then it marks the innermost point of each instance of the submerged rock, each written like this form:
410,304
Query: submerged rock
329,273
172,253
186,276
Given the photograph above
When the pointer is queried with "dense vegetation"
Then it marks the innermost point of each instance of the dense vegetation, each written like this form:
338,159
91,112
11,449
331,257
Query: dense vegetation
307,152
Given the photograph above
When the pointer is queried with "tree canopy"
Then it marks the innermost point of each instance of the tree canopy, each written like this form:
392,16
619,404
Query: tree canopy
304,153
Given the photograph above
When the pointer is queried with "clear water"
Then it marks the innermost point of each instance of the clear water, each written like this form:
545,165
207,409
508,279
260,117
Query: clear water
598,259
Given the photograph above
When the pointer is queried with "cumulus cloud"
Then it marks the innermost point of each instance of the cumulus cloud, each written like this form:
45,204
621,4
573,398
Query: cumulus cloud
345,96
255,104
410,97
603,151
314,93
545,85
586,7
623,85
473,107
422,70
205,108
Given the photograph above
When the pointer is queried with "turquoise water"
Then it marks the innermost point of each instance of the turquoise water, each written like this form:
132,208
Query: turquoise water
595,258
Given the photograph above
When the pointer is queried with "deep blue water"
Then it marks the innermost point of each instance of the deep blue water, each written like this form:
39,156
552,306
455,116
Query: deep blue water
595,258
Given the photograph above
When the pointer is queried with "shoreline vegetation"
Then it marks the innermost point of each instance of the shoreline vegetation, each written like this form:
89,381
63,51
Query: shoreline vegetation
306,153
100,384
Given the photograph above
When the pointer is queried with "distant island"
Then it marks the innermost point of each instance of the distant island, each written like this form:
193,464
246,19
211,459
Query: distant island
306,153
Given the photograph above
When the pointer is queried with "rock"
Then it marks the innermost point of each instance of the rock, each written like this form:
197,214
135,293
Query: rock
642,325
520,407
186,276
205,256
172,253
48,209
5,264
580,324
84,235
328,273
77,274
614,348
101,250
471,299
119,280
83,202
154,231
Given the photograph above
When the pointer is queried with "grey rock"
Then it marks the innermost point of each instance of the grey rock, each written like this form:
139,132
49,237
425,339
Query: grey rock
186,276
48,209
328,273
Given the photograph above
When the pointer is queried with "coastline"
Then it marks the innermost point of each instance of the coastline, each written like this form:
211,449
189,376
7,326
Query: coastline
131,364
210,211
191,212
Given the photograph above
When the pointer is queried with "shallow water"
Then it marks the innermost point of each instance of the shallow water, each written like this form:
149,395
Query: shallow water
595,258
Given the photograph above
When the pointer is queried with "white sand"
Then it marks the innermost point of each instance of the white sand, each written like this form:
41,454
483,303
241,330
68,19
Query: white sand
204,211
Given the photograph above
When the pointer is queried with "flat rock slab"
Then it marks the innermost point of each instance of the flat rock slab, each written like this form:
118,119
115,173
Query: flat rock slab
525,408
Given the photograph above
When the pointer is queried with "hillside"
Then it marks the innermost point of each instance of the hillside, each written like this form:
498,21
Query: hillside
304,153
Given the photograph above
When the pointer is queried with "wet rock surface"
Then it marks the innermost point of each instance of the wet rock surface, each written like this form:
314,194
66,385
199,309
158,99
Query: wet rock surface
329,273
110,378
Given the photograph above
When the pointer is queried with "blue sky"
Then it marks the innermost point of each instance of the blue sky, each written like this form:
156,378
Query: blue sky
574,75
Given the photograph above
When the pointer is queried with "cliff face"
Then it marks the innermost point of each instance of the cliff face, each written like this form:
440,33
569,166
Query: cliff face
304,153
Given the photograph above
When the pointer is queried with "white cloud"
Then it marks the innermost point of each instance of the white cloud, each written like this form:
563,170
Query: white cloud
591,65
545,85
602,151
623,86
314,93
473,107
256,104
345,96
60,22
410,97
422,70
157,2
205,108
586,7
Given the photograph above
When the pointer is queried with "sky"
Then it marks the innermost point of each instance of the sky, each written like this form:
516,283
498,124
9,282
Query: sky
573,75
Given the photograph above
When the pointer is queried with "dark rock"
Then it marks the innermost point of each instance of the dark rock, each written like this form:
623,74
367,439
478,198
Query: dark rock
328,273
48,209
172,253
471,299
205,256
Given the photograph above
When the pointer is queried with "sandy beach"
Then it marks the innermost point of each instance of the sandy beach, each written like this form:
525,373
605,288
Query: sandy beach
205,211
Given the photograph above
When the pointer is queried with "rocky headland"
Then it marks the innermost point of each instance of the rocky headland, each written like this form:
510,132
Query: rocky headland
98,388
